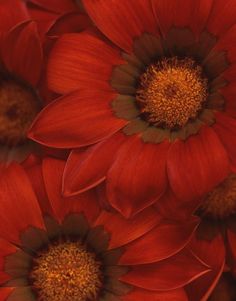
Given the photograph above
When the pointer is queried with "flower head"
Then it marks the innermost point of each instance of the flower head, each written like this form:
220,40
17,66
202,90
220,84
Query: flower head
71,249
154,105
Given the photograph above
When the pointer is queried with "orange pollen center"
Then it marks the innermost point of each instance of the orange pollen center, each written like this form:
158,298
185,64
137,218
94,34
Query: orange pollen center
172,92
221,201
18,107
66,272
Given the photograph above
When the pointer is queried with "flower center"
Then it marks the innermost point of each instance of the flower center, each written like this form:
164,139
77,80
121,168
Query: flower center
66,271
18,107
172,92
221,201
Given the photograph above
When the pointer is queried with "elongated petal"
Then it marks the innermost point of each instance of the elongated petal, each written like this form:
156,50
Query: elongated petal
6,249
160,243
122,21
77,62
167,274
202,287
222,17
19,206
11,13
86,170
138,176
5,292
79,119
85,203
181,13
140,295
22,52
197,165
225,128
133,228
56,6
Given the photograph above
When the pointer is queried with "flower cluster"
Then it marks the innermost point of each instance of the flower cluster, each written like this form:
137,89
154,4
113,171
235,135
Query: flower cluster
117,150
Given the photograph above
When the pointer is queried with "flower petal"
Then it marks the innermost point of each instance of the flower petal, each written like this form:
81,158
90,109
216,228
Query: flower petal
133,228
85,203
138,294
86,170
22,52
225,128
56,6
122,21
201,288
222,17
163,241
192,14
197,165
172,208
19,206
81,60
232,243
138,176
79,119
6,249
167,274
5,292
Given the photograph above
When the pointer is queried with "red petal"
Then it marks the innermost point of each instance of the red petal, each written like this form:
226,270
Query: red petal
225,128
232,243
197,165
168,274
85,203
11,13
79,119
5,292
163,241
225,43
192,14
172,208
138,176
222,17
229,93
81,60
34,172
70,22
22,52
44,19
5,249
138,294
86,170
122,21
56,6
133,228
19,206
201,288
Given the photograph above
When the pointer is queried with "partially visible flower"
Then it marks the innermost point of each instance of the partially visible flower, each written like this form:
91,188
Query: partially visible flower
214,242
155,104
69,249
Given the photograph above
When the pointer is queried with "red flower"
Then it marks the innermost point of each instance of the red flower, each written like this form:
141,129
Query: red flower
70,249
23,90
214,242
157,105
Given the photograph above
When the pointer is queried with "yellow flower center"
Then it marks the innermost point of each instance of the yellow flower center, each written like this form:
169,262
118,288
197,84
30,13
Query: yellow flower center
172,92
66,272
18,107
221,201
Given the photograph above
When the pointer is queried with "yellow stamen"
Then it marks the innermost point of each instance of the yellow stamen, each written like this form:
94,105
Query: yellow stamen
172,92
66,272
221,201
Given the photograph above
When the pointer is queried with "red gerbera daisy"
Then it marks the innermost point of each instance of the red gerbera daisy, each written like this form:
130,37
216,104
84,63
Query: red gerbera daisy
215,243
70,249
23,91
157,105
